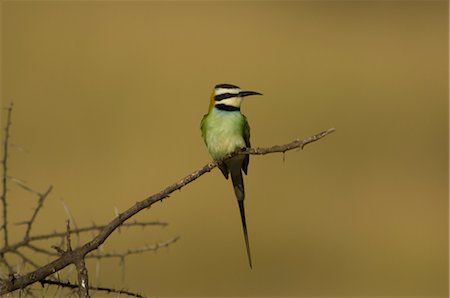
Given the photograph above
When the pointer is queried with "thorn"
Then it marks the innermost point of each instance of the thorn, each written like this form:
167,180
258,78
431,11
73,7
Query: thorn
58,249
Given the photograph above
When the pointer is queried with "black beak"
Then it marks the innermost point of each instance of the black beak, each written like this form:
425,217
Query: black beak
247,93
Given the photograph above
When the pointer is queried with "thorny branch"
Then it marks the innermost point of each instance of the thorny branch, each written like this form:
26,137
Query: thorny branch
5,170
108,255
92,228
69,244
67,284
133,251
27,241
71,257
29,223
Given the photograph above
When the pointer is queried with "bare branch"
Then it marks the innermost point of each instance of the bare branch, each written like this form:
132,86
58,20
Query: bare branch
67,284
146,248
44,251
83,278
5,174
40,204
62,235
71,218
75,255
69,244
95,227
293,145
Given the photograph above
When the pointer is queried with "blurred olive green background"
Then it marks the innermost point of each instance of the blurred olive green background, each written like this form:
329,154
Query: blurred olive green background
108,98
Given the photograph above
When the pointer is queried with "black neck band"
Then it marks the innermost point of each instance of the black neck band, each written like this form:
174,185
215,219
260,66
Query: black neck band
224,107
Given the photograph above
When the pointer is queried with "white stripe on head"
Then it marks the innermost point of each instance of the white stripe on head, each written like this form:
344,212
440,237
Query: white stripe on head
232,101
219,91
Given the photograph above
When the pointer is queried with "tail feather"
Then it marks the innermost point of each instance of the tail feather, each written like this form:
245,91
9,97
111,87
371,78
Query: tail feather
238,184
244,227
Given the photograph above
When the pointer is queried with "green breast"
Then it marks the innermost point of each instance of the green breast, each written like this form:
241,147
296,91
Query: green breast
223,132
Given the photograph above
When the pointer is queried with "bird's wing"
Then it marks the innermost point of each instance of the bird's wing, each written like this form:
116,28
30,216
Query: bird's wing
202,127
246,134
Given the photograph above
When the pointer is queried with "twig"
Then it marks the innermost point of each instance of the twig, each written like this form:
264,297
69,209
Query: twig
94,227
5,174
61,235
146,248
69,244
71,218
67,284
44,251
83,278
40,204
7,286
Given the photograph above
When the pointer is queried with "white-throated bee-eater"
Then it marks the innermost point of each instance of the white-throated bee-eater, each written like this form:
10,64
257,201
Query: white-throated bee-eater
225,130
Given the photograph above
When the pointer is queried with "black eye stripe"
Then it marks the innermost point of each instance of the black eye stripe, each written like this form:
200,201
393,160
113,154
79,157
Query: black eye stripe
227,108
224,96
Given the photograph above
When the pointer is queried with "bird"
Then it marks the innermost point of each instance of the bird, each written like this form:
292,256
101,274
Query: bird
224,130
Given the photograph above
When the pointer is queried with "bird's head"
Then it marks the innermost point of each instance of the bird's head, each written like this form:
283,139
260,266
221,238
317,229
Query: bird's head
229,96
